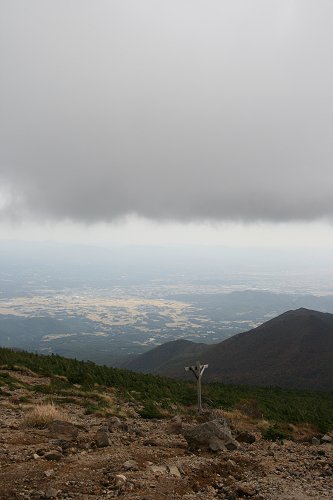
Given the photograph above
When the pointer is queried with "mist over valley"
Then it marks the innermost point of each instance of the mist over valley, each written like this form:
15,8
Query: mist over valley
109,305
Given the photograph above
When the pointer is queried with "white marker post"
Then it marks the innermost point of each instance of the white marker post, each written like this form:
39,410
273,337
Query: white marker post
197,370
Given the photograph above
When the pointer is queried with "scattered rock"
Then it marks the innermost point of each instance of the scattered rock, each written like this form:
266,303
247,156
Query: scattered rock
175,425
152,442
51,493
315,441
174,471
259,471
53,455
246,437
124,426
131,465
326,439
48,472
84,446
63,430
103,438
120,480
114,422
246,490
159,469
214,435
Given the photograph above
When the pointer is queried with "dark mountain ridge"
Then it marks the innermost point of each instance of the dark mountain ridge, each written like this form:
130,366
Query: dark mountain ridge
164,357
293,350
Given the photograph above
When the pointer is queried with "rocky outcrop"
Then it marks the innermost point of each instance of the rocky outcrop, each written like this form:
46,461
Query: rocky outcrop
214,435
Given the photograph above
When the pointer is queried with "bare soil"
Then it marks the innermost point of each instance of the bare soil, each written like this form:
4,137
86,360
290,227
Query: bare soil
162,466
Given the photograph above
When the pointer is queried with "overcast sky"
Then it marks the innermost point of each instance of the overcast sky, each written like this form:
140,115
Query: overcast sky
208,113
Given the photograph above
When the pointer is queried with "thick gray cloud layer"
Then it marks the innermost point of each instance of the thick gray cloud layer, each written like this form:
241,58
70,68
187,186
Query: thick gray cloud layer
178,109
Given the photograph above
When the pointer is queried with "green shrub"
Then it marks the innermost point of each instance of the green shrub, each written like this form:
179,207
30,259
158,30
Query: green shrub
271,403
150,410
275,433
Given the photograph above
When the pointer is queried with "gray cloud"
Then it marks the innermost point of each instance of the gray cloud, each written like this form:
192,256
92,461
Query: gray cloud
174,110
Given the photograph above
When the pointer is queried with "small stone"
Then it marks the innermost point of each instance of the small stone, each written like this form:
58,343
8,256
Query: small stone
326,439
120,480
51,493
315,441
130,486
151,442
53,455
246,489
114,423
103,438
174,471
175,425
246,437
48,472
36,456
84,446
131,465
137,431
158,469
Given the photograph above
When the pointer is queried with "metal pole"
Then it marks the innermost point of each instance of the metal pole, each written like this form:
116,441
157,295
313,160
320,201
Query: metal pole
197,371
199,393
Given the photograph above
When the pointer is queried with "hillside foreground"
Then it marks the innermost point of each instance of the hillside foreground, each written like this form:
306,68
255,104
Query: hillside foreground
144,458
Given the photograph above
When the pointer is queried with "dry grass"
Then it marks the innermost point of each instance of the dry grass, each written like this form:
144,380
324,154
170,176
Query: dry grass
243,422
42,415
25,371
303,432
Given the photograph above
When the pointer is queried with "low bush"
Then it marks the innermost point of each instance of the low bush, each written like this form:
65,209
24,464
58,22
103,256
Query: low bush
70,377
150,410
275,433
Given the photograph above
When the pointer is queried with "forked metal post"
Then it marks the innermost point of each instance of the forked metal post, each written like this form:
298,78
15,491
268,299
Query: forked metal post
197,370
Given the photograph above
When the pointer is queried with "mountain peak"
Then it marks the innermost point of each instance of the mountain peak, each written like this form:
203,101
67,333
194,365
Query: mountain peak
293,350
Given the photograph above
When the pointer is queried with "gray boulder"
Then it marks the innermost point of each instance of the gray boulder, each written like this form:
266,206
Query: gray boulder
214,435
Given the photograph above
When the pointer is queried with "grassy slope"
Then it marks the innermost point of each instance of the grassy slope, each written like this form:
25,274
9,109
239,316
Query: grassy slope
280,405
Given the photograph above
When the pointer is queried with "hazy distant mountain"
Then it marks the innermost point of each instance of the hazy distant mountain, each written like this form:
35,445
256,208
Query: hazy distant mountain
293,350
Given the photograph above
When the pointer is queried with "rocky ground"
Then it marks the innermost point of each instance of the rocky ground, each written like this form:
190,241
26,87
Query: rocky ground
96,456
